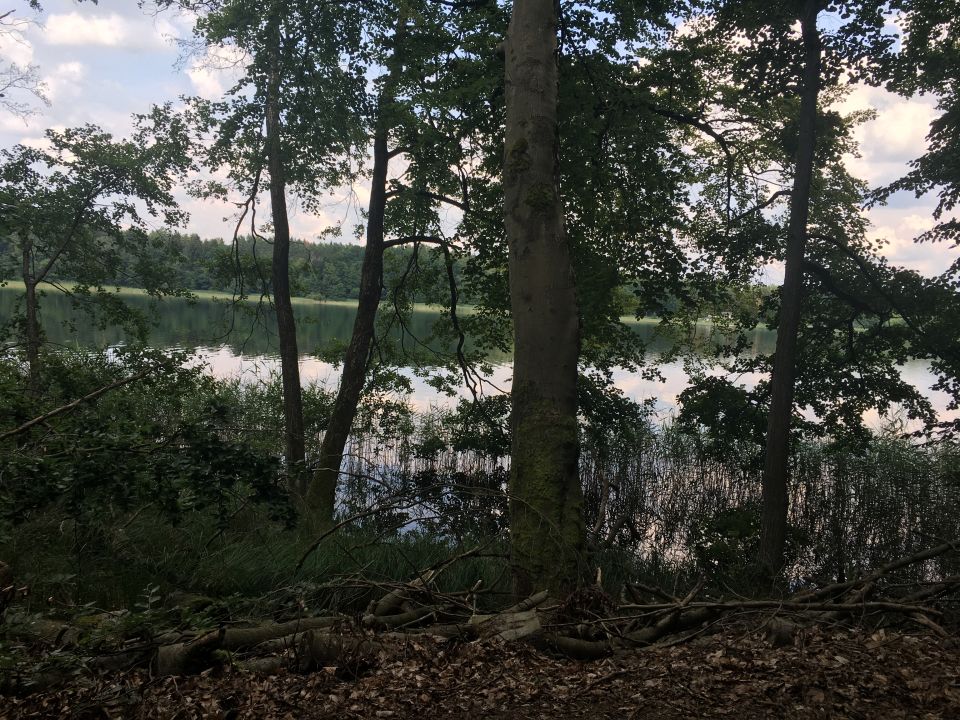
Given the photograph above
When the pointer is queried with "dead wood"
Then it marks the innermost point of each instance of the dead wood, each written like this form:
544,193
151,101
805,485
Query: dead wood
50,632
670,624
780,632
949,585
183,657
507,625
926,622
529,603
837,589
7,585
633,588
446,631
238,638
580,631
415,616
392,601
267,665
577,648
71,405
186,657
318,649
732,605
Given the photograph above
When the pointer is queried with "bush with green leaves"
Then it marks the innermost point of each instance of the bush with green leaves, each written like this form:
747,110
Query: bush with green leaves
166,437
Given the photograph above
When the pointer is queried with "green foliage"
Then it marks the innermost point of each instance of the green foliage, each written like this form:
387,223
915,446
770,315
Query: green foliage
79,209
725,543
158,440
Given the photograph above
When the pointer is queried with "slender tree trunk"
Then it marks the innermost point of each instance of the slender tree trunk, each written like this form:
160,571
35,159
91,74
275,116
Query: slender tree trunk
32,333
773,520
323,489
322,495
286,326
546,505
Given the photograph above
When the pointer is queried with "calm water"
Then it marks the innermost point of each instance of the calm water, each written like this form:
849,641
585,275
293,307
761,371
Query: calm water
244,344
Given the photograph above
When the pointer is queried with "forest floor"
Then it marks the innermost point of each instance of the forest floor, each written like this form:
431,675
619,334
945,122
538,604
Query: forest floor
828,672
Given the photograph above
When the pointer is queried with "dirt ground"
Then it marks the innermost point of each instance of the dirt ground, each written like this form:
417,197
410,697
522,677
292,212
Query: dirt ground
826,673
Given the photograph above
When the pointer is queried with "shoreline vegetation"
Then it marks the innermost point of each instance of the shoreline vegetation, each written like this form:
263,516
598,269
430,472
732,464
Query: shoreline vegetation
222,296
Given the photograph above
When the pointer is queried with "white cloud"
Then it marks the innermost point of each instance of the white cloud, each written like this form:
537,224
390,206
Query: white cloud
15,48
891,140
207,83
216,71
64,81
76,29
38,143
307,226
111,30
897,229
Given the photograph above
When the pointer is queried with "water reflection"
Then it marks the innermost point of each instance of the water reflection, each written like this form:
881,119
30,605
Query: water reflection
244,344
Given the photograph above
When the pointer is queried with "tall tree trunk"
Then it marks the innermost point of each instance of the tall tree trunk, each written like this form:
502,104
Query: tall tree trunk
773,519
546,504
321,498
286,326
32,333
322,495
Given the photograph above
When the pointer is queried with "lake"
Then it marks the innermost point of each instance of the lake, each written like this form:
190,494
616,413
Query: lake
236,344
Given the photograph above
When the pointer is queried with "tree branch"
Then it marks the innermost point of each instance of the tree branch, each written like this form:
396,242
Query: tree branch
71,405
765,204
432,195
410,239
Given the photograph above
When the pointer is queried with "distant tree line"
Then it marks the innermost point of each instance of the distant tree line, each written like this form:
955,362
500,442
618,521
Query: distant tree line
185,261
317,270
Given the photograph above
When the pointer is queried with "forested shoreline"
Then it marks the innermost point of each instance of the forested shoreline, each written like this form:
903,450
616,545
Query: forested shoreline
318,270
541,175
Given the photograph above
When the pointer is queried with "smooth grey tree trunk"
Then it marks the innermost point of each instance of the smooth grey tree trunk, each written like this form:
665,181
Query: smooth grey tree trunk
546,515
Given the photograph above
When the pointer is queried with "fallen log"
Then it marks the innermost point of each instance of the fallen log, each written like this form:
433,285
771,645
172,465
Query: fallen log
507,625
529,603
180,658
416,616
239,638
317,649
730,605
391,602
948,585
186,657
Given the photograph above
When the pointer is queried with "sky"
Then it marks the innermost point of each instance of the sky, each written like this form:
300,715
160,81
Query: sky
102,63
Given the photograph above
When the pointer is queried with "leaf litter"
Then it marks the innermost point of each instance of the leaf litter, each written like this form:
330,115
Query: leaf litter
827,672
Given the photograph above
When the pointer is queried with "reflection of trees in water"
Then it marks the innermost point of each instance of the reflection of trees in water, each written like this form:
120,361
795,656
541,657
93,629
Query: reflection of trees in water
251,330
176,322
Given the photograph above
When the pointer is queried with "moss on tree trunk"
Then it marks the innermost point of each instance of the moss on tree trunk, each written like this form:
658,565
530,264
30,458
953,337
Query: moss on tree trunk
546,519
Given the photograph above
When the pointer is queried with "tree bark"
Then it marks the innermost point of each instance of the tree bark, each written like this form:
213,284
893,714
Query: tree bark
321,498
286,326
31,326
773,520
546,515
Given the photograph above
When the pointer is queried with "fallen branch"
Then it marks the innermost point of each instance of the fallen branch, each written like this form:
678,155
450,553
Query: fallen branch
726,606
840,588
71,405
